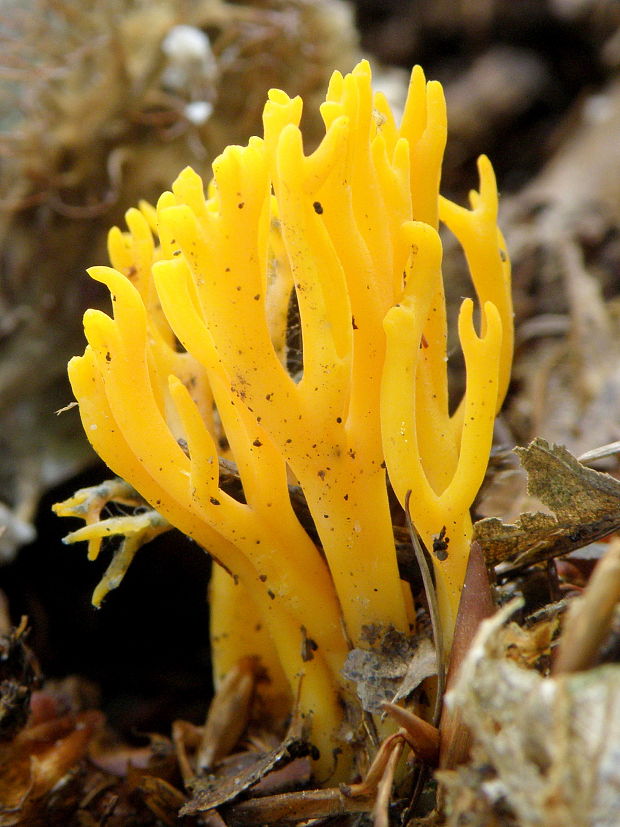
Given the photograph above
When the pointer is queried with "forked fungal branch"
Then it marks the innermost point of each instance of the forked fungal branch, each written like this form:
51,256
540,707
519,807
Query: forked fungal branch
192,367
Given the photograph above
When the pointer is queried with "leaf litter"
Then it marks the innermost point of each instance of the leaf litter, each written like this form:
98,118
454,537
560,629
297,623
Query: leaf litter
542,735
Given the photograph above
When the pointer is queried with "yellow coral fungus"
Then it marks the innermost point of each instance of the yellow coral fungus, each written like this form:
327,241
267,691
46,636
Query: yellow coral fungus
195,357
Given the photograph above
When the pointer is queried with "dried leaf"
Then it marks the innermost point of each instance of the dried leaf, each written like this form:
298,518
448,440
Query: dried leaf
381,809
545,750
527,646
392,669
228,714
160,797
422,737
291,808
39,760
476,605
590,616
19,675
585,503
210,792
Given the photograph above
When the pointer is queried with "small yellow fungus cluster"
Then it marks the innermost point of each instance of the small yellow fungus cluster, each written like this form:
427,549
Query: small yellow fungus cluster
191,372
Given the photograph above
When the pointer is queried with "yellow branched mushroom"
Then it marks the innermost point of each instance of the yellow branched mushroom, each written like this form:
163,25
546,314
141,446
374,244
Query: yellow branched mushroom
442,458
348,235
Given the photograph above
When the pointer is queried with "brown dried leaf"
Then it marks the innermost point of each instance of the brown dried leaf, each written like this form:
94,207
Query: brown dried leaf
545,749
211,792
381,809
422,737
590,616
39,760
476,605
160,797
228,714
527,646
19,674
291,808
586,505
389,671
